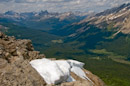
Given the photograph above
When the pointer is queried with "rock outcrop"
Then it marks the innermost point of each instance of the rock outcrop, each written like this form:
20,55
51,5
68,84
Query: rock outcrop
19,73
15,69
94,80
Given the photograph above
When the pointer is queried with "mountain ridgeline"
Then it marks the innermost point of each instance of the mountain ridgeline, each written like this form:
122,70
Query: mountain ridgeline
42,20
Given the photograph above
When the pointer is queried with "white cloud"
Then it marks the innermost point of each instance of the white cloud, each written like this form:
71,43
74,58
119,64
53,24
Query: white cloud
58,5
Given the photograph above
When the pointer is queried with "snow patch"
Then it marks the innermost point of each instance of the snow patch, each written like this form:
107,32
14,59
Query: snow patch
70,79
75,63
49,70
58,71
79,72
65,68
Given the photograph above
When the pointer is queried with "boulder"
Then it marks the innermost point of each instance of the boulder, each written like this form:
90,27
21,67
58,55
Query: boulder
19,73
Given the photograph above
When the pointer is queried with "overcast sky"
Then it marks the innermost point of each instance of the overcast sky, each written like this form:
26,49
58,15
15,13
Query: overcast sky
59,5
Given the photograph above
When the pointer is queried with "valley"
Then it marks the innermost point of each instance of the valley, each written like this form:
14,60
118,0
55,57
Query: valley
101,41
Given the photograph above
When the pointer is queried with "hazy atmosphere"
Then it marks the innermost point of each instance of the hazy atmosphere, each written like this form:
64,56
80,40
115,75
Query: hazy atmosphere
59,5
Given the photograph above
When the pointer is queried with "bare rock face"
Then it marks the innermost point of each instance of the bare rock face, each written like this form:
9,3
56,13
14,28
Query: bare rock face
92,81
19,73
15,69
10,47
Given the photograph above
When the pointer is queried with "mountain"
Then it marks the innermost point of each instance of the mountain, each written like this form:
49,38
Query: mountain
40,25
19,65
107,30
52,21
42,20
113,10
117,17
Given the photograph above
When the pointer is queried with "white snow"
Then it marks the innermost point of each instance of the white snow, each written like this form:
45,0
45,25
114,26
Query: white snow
58,71
49,70
75,63
78,71
70,79
65,68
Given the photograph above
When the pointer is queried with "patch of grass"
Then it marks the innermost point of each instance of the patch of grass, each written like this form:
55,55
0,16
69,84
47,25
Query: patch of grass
113,56
110,27
57,41
111,72
101,51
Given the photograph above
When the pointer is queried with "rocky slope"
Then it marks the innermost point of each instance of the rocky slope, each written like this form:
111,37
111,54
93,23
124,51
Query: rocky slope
15,69
117,17
113,20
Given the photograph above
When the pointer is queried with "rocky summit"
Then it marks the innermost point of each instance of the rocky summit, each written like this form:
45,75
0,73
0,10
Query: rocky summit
15,68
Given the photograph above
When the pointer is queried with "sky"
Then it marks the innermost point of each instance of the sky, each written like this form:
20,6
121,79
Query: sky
59,5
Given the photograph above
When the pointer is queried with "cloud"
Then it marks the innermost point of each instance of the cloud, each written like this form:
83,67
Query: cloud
26,1
59,5
5,0
42,1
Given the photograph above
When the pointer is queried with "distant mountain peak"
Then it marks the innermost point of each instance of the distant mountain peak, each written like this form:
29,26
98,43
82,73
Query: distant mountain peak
10,13
114,10
43,12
